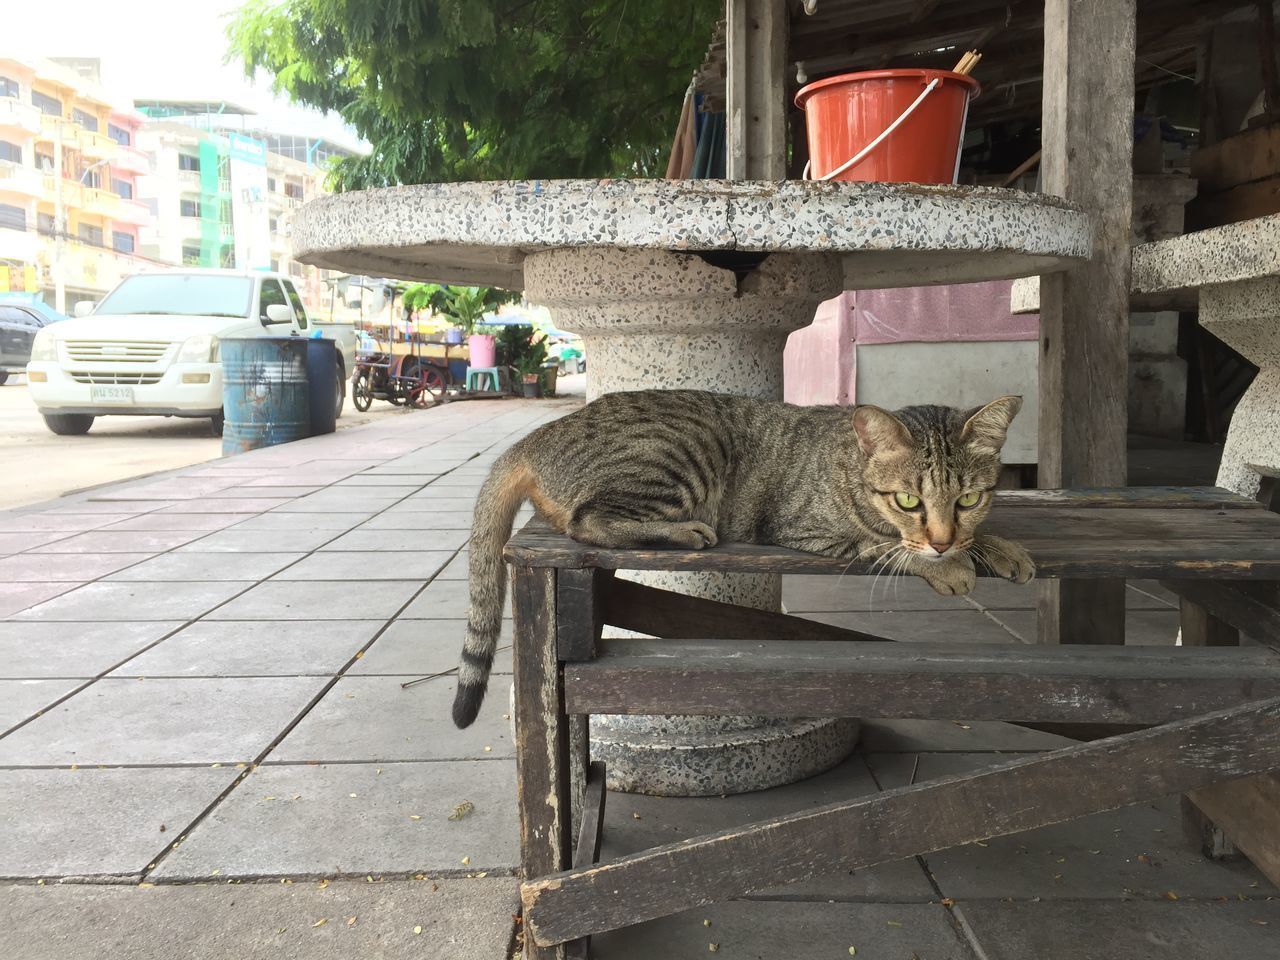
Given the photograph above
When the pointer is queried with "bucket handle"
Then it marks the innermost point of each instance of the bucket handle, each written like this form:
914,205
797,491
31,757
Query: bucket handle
857,157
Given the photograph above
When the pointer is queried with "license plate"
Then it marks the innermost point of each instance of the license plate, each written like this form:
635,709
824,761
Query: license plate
111,394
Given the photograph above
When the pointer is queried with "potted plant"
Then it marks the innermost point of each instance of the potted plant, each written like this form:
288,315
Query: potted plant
465,307
530,368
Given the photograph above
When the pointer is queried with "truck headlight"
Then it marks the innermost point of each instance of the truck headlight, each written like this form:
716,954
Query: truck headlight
45,346
201,349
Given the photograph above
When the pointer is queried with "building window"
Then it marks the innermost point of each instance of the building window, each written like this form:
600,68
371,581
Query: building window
44,162
273,225
189,208
86,120
91,178
271,184
228,258
293,190
188,162
10,151
191,256
8,87
45,225
12,218
122,188
90,234
47,104
122,242
120,135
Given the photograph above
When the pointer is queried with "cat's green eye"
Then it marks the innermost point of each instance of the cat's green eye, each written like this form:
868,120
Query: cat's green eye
907,501
969,499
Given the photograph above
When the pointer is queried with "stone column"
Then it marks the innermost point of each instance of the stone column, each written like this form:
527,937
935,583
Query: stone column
1246,316
660,319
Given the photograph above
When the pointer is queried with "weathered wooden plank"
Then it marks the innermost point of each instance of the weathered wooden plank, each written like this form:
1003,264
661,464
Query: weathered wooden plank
1003,799
587,850
579,613
978,681
1087,148
1241,158
1167,498
542,747
1248,812
1214,613
677,616
755,89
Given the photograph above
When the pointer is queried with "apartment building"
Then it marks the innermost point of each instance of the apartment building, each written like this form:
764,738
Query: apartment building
70,214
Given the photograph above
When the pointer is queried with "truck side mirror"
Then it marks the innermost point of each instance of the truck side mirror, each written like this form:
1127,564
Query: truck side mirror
84,307
279,313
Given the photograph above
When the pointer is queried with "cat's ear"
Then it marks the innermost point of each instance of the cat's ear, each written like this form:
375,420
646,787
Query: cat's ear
987,426
879,432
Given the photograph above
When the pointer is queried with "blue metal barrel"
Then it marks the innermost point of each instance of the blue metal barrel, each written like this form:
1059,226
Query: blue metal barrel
322,374
264,392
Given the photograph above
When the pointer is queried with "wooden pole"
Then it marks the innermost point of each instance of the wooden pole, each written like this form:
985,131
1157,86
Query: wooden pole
1087,136
756,53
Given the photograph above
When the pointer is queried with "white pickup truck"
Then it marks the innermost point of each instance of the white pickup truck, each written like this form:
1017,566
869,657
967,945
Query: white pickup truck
150,347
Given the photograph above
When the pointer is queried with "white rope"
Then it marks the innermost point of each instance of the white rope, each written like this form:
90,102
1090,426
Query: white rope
857,157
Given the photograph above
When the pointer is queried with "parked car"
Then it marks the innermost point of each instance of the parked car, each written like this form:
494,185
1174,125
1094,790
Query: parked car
151,347
20,320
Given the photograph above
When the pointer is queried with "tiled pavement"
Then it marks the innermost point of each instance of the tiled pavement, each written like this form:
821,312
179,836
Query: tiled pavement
205,748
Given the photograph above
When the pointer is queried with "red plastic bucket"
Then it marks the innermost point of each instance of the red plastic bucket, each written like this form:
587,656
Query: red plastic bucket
845,115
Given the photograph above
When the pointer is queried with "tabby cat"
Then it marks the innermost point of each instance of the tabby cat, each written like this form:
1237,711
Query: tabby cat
685,468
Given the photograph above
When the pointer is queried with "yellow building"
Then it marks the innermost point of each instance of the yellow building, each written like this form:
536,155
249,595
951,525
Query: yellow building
69,166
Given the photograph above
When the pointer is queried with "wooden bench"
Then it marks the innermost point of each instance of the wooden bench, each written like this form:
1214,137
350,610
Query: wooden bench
1161,720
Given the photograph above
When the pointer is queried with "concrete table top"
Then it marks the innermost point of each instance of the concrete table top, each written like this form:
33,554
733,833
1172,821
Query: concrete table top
890,234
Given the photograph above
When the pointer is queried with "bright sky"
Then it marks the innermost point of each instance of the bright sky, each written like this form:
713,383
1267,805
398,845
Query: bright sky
165,49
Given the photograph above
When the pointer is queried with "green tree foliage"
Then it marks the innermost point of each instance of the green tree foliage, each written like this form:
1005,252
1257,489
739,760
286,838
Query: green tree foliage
464,307
485,89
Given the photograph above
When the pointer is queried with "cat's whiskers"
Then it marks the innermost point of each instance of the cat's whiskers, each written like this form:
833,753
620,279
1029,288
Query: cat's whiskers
889,557
857,556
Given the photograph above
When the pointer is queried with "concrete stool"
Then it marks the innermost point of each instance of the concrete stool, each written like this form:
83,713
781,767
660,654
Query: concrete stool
496,377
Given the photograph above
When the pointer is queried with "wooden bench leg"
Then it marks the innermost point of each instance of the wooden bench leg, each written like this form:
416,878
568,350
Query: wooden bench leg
542,736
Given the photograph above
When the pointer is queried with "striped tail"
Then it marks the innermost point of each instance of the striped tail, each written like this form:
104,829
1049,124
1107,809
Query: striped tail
499,500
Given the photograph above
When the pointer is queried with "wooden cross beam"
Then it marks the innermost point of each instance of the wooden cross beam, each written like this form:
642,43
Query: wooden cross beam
1008,798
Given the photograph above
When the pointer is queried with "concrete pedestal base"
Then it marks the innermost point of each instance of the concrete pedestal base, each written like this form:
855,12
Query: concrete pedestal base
676,321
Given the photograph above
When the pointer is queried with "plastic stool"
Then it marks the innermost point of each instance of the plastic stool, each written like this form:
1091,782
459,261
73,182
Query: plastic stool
491,375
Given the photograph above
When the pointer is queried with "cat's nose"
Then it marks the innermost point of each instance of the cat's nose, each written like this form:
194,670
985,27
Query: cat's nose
942,546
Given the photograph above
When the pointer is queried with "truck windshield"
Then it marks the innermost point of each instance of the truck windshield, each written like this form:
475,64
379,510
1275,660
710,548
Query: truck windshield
181,294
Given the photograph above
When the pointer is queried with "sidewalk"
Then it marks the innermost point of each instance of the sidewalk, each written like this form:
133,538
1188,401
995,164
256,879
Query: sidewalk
205,749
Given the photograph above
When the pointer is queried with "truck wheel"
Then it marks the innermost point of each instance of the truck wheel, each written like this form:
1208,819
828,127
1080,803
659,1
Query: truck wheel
4,377
341,397
68,424
215,425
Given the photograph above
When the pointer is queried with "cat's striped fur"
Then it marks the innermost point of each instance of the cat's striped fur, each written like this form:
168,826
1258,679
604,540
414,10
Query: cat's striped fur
688,468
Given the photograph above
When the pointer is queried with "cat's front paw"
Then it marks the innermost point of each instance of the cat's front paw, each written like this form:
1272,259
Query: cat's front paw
953,577
1004,558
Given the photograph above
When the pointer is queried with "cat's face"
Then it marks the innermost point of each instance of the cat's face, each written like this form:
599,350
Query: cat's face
931,471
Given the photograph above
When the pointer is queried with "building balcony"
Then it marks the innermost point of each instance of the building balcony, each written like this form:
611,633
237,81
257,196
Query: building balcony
72,192
20,246
20,180
16,115
102,203
132,211
189,181
133,160
96,146
91,268
54,128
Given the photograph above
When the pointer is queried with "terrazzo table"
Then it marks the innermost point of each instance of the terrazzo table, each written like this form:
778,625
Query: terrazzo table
694,284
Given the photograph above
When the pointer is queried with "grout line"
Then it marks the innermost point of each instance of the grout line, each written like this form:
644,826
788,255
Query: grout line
230,763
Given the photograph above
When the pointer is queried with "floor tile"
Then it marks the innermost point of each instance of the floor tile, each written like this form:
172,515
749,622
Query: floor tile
249,648
794,931
374,718
208,566
226,505
442,599
73,649
911,736
814,593
1142,627
415,648
1125,931
327,520
33,567
1137,852
319,600
12,521
335,500
459,920
161,722
436,505
968,626
18,598
135,601
351,819
122,541
92,822
22,699
259,541
399,540
361,566
17,542
206,522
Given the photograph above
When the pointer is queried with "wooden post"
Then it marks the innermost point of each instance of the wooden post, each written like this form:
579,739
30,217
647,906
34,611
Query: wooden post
756,51
1087,137
542,736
